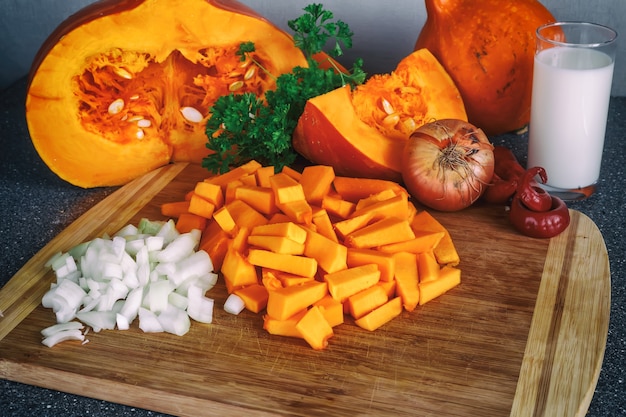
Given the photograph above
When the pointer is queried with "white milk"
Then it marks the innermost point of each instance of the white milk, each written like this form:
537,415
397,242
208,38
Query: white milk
568,115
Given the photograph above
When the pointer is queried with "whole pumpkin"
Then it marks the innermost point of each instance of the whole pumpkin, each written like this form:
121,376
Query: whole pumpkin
487,47
362,132
125,86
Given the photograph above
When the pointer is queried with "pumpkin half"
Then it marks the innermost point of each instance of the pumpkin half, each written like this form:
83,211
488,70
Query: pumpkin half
124,86
362,132
488,49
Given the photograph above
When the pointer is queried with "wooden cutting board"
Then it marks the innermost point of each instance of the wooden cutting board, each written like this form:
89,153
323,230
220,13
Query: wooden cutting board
523,335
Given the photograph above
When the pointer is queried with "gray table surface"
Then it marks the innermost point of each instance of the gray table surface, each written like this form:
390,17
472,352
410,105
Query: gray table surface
36,205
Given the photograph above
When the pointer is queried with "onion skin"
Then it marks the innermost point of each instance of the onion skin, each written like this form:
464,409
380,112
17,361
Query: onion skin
447,164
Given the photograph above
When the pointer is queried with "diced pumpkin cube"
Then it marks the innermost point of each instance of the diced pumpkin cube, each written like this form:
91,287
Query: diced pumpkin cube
270,280
188,221
395,206
315,329
383,232
287,280
323,224
244,215
366,300
332,310
337,206
229,191
240,240
201,207
382,315
428,266
278,244
445,251
330,256
422,242
254,297
385,261
298,211
259,198
215,242
287,229
211,192
286,189
449,277
342,284
234,174
299,265
292,173
237,271
375,198
407,279
389,287
316,182
225,221
285,302
249,180
175,208
354,223
285,327
263,175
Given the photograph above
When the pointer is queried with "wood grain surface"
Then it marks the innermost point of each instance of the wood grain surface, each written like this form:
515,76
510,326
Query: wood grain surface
523,335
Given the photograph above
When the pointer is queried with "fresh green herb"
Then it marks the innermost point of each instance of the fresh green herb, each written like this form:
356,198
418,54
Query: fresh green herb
244,127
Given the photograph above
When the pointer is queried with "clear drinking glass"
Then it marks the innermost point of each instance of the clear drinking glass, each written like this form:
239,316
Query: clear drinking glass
573,72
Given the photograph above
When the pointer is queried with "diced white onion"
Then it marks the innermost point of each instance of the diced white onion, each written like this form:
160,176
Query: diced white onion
62,336
234,304
151,272
55,328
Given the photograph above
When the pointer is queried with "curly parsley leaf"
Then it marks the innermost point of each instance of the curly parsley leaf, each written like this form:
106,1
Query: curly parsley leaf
244,127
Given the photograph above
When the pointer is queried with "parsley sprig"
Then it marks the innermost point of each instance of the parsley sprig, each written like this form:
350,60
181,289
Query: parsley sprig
244,127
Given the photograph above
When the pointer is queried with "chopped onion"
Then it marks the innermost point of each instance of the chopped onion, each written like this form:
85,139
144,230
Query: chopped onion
62,336
150,271
234,304
55,328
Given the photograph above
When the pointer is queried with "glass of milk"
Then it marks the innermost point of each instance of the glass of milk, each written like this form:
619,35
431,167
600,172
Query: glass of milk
573,72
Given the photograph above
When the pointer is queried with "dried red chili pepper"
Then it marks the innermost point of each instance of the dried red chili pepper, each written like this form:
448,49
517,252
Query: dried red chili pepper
531,194
545,224
506,165
500,190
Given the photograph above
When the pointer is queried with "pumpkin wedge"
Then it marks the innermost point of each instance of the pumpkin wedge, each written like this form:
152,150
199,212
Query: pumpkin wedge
125,86
362,133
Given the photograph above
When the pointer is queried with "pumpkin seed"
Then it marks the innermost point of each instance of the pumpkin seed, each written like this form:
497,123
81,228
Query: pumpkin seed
234,74
123,73
387,107
410,124
140,134
144,123
250,73
191,114
134,97
235,86
391,120
134,118
116,106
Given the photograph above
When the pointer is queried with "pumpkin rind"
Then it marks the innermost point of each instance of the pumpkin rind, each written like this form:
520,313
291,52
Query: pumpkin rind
362,133
488,48
106,90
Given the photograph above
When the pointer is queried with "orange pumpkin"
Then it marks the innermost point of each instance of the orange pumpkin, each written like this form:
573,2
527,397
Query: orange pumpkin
362,133
124,86
488,48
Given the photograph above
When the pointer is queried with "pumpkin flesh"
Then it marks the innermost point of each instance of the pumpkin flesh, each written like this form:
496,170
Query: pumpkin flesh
108,91
362,133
